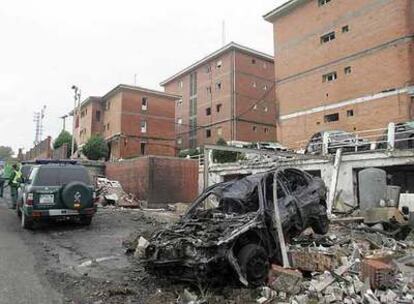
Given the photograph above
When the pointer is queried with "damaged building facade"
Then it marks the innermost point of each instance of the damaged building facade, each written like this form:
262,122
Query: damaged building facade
346,65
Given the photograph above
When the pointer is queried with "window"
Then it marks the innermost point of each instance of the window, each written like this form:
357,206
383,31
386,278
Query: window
208,111
218,107
219,64
180,121
208,133
345,29
331,117
98,115
143,126
323,2
208,90
266,130
108,105
327,37
348,70
329,77
218,85
350,113
180,84
179,141
219,131
142,148
144,103
254,128
253,61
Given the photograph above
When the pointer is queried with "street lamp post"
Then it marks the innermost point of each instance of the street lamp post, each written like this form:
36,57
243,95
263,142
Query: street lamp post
76,98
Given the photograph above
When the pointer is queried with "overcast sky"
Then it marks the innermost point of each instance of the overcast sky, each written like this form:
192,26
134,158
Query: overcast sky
48,45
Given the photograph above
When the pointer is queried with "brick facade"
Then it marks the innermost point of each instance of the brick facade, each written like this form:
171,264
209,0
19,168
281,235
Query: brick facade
218,97
89,120
133,129
370,52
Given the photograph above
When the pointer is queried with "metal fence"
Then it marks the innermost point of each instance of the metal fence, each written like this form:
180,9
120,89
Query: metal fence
395,137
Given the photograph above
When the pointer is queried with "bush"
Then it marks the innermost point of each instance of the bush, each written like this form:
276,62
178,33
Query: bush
95,148
64,138
224,156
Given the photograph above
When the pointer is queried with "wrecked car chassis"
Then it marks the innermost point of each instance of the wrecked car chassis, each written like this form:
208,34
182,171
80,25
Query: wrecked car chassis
230,229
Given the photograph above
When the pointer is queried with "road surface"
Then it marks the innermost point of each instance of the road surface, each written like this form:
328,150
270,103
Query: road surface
20,281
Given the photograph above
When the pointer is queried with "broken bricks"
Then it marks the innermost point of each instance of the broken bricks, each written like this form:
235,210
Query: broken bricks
285,280
312,260
379,273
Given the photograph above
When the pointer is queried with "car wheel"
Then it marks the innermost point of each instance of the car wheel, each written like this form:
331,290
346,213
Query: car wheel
254,263
320,225
85,221
27,223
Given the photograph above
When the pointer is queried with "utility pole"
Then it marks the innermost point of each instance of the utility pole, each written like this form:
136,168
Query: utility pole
64,121
76,99
38,120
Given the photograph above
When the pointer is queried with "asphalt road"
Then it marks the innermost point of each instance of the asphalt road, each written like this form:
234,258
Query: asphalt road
20,281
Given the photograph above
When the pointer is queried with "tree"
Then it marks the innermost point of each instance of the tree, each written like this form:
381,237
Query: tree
95,148
6,153
224,156
64,138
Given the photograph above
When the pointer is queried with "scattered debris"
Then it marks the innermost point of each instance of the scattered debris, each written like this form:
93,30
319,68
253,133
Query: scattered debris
142,245
111,193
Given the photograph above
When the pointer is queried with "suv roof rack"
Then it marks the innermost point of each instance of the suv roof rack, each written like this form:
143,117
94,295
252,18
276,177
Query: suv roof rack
56,161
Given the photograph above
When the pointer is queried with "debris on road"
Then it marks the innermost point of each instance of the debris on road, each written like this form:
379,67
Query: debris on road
110,192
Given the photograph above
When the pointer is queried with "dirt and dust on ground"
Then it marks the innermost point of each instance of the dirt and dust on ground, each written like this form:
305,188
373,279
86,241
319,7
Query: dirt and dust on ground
96,264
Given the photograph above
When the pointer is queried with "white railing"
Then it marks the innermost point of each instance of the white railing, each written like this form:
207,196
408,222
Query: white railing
394,137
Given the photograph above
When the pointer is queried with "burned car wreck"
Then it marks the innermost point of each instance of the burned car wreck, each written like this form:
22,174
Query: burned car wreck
229,231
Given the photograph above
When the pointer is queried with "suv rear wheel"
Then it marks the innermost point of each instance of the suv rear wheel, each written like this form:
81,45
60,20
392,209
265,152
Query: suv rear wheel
254,263
27,223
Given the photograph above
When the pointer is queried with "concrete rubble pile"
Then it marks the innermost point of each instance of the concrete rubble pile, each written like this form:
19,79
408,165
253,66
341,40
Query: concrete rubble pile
346,266
110,192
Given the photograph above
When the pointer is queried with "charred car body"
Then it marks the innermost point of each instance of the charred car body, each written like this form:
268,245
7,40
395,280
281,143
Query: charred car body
230,228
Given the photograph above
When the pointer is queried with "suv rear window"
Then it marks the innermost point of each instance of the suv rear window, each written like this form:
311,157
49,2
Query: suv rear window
57,176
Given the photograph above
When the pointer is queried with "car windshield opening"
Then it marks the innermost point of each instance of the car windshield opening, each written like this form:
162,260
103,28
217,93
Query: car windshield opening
56,176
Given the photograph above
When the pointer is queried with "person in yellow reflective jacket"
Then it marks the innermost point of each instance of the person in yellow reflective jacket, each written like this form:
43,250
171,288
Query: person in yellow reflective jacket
14,183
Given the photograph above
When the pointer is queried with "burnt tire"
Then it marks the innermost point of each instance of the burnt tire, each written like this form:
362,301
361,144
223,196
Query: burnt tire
77,192
320,224
254,264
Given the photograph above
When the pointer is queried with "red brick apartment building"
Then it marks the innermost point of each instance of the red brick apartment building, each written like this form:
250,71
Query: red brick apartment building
342,64
90,120
134,121
229,94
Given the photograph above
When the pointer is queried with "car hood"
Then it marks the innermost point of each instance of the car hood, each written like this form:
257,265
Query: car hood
208,232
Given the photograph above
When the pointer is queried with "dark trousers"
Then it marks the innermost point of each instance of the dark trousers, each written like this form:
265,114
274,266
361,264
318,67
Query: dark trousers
14,193
1,186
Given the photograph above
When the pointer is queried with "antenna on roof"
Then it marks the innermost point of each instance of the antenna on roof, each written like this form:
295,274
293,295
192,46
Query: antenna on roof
223,33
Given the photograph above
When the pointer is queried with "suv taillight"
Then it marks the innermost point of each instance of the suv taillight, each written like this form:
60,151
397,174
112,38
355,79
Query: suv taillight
29,200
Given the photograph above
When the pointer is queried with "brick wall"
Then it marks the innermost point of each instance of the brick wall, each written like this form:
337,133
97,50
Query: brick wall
158,180
43,150
372,52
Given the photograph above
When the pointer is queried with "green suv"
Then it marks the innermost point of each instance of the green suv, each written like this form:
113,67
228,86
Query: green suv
56,190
